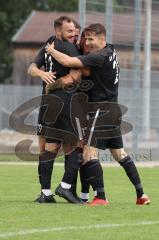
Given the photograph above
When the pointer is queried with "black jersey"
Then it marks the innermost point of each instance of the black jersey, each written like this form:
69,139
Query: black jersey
49,63
104,74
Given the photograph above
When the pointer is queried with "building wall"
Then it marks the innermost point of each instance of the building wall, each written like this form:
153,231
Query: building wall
24,56
126,59
22,59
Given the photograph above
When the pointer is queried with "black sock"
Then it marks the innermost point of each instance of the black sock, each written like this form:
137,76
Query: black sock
74,183
85,185
72,166
66,161
132,173
94,172
46,166
39,169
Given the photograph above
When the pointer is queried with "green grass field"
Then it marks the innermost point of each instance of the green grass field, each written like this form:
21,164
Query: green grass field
21,218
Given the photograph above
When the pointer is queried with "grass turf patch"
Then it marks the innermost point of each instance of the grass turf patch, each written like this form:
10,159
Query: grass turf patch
19,187
14,158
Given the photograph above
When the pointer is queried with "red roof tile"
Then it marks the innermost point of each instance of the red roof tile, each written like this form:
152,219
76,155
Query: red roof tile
39,26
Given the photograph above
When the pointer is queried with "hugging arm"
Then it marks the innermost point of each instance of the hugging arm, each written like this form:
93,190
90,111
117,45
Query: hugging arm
62,58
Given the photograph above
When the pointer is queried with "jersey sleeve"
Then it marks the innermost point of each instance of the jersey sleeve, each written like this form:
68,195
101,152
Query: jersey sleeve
39,59
72,50
96,59
67,48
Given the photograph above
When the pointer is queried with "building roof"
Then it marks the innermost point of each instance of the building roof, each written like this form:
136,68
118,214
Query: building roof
39,27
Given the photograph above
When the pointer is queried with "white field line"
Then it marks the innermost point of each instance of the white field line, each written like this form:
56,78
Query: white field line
68,228
104,164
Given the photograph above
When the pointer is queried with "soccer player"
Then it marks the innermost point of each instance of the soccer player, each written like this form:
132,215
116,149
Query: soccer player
65,30
77,31
105,76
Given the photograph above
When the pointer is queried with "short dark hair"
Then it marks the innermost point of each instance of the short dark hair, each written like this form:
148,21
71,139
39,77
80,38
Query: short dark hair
59,21
76,24
83,32
96,28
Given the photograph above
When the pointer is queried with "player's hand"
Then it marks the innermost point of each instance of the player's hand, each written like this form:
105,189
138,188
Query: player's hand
48,77
50,47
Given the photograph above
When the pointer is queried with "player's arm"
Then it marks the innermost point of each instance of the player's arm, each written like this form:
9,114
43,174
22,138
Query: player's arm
47,77
62,58
72,77
35,71
95,59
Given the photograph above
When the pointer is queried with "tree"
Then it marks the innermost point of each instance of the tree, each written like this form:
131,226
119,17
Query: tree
12,15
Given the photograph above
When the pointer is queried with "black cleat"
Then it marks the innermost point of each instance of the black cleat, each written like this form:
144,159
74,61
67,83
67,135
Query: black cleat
73,190
76,196
42,198
67,195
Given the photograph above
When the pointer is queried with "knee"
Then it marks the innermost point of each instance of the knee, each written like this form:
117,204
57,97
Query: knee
47,156
127,160
42,143
52,147
118,154
89,153
67,148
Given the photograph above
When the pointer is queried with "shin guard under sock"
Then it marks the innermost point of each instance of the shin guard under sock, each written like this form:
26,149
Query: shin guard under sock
39,169
85,185
46,166
72,166
74,183
132,173
94,172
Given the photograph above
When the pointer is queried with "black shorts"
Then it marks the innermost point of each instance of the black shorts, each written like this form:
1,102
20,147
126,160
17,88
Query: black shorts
41,124
59,128
107,136
115,143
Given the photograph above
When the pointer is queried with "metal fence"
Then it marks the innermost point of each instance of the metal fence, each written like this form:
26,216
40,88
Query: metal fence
133,27
12,96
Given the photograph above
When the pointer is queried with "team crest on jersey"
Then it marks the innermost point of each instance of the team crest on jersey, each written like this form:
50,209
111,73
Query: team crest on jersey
48,62
113,58
39,128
